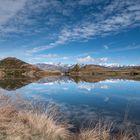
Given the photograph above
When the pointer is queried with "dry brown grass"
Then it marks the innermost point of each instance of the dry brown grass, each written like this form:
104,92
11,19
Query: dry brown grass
28,124
102,134
91,134
20,120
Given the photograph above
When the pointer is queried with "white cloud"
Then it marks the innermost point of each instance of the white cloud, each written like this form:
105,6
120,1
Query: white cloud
109,64
23,16
48,55
86,2
62,39
65,58
106,47
50,58
87,59
103,59
100,24
132,47
9,8
112,18
90,60
8,11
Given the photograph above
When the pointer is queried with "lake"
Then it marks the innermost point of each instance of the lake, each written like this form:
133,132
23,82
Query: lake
82,102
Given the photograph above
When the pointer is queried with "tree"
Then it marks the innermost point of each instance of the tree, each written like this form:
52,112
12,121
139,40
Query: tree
76,68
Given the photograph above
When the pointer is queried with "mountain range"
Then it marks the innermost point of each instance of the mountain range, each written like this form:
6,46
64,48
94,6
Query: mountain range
54,67
12,67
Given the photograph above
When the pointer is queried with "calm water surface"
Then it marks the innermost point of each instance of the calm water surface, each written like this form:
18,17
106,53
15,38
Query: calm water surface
109,100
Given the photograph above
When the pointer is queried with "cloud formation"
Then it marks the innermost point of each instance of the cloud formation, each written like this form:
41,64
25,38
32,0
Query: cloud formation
8,11
66,21
9,8
112,18
90,60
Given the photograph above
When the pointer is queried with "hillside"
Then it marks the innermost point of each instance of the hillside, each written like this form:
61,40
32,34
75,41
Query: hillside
88,70
14,63
14,68
54,67
96,70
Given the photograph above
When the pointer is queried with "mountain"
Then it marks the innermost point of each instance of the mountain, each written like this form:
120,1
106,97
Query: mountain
12,67
54,67
14,63
131,72
86,69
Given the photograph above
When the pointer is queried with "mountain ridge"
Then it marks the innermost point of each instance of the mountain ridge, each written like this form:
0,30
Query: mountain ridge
12,67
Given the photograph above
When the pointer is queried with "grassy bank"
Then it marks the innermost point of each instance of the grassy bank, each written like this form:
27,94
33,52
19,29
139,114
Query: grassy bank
20,120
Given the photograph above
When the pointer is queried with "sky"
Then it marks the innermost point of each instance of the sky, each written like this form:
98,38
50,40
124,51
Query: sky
105,32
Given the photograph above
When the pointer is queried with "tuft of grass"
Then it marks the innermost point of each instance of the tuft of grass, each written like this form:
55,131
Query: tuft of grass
103,132
126,136
29,124
21,120
36,126
92,134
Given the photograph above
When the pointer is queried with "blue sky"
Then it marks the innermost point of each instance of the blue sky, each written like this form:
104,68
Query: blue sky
71,31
